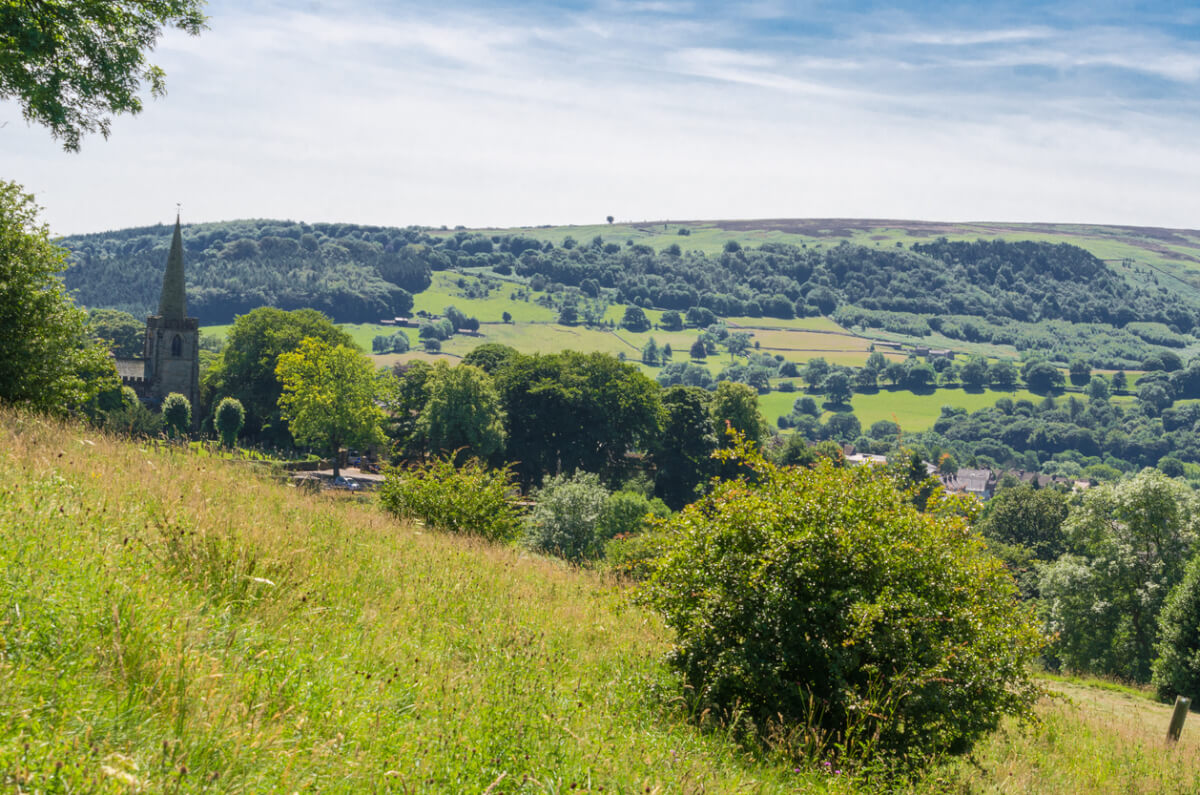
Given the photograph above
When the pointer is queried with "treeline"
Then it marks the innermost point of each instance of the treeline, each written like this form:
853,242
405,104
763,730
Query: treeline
350,272
358,273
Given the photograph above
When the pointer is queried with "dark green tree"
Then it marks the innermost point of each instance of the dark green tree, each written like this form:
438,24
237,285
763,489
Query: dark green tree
683,452
635,319
123,333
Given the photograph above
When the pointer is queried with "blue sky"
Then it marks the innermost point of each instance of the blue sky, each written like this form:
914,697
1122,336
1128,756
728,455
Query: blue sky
535,113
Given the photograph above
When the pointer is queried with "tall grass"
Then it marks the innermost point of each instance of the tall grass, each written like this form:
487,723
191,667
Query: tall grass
169,623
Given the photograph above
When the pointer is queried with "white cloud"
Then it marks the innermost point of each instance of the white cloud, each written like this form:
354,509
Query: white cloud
497,119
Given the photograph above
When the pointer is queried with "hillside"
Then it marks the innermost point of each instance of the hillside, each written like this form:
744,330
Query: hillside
170,622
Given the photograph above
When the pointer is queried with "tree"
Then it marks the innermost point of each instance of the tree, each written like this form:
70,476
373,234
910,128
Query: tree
836,387
1030,517
328,397
815,371
683,452
737,343
1128,545
1004,374
698,351
609,219
1042,377
177,414
1177,654
48,359
569,411
651,356
73,64
229,419
1097,389
1119,381
247,367
1080,371
120,331
920,376
462,412
735,406
974,373
795,596
506,316
635,319
671,321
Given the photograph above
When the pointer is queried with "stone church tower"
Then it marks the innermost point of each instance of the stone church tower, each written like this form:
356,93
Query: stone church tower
172,347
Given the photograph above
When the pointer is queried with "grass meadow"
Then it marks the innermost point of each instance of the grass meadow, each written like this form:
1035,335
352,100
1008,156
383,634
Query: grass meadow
174,623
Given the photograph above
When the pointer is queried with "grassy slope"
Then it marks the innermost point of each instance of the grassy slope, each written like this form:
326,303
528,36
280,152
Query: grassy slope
139,633
170,623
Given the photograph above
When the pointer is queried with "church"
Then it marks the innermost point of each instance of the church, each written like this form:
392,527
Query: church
170,360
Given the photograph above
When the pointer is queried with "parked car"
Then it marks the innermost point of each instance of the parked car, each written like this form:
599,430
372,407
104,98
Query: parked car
343,482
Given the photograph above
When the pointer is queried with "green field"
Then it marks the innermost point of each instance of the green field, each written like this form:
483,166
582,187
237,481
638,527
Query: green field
914,413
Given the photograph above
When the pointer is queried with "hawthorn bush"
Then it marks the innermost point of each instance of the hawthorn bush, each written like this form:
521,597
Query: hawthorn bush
471,499
1177,666
820,604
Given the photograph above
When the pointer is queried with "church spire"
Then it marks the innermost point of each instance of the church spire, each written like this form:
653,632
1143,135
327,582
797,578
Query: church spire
173,303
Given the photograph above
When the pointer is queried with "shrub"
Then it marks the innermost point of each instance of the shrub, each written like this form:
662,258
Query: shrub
633,556
469,499
229,419
823,599
177,414
626,513
564,519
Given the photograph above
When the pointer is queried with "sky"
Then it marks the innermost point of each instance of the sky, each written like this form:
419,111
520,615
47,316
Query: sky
530,113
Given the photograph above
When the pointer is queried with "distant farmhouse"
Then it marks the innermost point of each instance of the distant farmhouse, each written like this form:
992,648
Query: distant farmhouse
170,360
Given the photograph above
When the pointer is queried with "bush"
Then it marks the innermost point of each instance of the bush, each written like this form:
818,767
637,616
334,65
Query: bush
633,556
823,599
626,513
177,414
229,419
566,515
1177,667
469,499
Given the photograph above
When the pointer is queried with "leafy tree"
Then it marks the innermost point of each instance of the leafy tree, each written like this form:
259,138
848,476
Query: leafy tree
1097,388
651,355
120,331
836,387
565,516
737,343
735,406
635,319
1042,377
177,414
1030,517
920,376
1120,382
815,371
246,369
569,411
626,512
671,321
698,350
1176,669
462,411
1004,374
895,372
568,315
1080,371
796,597
48,360
1129,543
974,373
329,397
490,356
876,363
506,316
683,452
73,64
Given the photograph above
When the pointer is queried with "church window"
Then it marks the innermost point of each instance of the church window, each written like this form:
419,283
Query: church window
177,346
